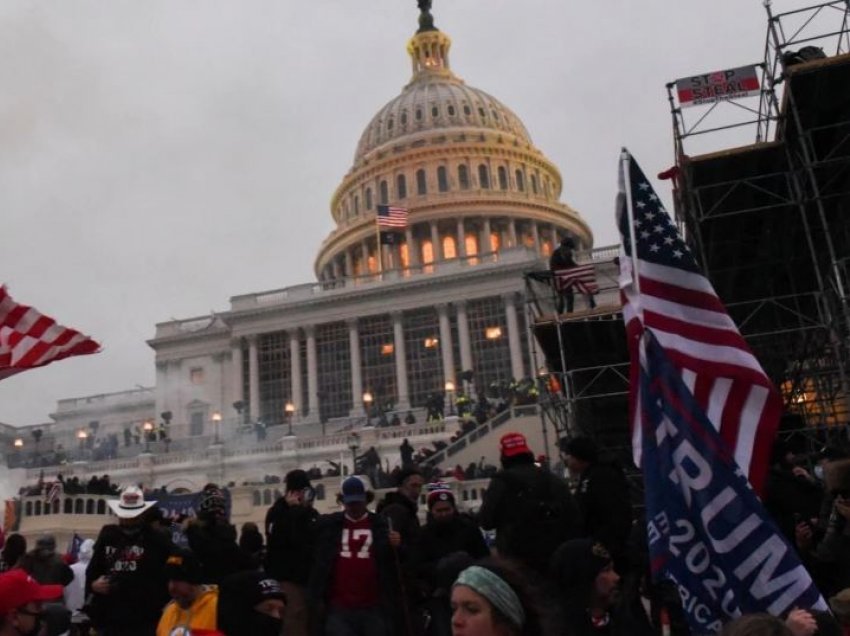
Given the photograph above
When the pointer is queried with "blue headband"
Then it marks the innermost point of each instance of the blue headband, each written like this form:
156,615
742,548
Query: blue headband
494,589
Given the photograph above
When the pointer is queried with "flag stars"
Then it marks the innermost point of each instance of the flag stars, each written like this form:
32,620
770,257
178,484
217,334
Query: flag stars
677,253
669,240
654,247
659,229
652,197
640,204
643,186
644,234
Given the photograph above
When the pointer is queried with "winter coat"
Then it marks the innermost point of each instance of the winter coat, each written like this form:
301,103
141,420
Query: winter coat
290,541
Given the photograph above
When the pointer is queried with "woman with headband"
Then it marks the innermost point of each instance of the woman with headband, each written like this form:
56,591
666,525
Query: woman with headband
492,599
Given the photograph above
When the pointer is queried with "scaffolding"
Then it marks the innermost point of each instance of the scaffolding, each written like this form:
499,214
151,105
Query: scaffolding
769,223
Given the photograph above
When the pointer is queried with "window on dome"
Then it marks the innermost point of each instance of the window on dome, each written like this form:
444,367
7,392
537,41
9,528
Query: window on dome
520,181
483,177
463,177
495,241
482,112
390,123
451,110
427,256
467,110
546,188
442,179
404,118
418,114
534,183
385,193
421,182
356,205
435,112
401,187
368,198
449,247
495,115
471,243
503,178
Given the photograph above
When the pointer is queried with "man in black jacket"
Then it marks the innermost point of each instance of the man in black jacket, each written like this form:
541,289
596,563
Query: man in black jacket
603,497
290,537
532,510
354,582
126,576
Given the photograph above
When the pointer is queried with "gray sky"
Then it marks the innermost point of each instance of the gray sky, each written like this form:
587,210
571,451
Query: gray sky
160,156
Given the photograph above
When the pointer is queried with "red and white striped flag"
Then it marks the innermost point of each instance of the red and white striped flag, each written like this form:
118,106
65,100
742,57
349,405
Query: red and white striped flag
581,279
54,492
391,216
29,339
672,298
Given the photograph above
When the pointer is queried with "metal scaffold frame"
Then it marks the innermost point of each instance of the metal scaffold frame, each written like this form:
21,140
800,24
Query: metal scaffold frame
799,326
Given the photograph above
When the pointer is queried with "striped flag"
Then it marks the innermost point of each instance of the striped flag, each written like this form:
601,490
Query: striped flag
671,298
54,492
392,216
581,279
29,339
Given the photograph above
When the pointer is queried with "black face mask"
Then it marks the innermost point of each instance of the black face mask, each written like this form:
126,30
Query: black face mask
263,624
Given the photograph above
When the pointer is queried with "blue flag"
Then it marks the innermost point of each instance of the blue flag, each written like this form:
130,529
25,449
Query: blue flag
708,532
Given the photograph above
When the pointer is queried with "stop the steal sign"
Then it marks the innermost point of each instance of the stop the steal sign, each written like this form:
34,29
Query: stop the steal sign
720,85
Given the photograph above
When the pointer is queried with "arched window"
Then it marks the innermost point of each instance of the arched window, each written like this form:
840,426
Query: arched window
427,251
534,183
356,205
435,112
520,181
28,509
401,187
503,178
267,497
404,118
368,198
471,243
101,507
421,182
483,176
442,179
68,507
467,110
390,123
38,507
385,192
495,241
463,177
449,247
78,506
56,506
256,498
89,506
320,492
451,110
418,114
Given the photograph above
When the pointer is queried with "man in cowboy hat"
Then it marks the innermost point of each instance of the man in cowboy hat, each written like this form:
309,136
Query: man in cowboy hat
126,576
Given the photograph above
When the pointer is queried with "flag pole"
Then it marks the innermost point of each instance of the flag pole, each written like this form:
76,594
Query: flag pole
625,171
379,249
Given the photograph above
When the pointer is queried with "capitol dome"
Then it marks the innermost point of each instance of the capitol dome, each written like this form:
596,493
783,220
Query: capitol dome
463,166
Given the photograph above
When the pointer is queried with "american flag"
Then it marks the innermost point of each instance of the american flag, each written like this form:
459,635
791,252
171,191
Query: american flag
678,304
392,216
581,278
54,492
29,339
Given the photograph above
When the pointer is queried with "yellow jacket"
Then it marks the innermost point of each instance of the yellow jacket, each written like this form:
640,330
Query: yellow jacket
176,621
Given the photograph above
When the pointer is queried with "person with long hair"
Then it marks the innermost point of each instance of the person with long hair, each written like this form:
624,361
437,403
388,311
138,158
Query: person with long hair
492,598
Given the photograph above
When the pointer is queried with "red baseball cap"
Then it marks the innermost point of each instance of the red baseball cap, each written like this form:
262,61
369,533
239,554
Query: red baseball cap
17,588
514,444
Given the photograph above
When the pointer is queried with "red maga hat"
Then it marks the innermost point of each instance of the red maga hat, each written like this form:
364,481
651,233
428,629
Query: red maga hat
17,588
514,444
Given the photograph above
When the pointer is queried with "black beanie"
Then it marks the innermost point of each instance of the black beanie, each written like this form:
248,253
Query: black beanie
296,480
576,564
582,448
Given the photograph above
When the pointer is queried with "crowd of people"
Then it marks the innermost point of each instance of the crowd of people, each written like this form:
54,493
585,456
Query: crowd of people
565,560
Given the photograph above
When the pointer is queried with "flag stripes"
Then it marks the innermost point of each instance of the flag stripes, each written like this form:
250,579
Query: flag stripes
392,216
30,339
581,279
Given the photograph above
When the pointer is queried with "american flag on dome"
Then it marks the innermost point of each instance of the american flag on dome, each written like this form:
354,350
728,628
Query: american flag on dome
677,303
392,216
581,279
29,339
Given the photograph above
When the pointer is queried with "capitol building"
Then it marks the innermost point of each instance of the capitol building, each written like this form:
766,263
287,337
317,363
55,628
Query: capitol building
382,328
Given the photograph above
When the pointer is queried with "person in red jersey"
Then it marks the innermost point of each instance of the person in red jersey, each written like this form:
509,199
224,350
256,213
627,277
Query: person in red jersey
354,580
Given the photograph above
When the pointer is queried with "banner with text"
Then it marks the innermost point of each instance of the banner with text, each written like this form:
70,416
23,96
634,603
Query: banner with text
718,86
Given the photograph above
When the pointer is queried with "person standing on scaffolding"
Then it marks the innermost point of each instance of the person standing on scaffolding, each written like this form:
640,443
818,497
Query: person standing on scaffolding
567,276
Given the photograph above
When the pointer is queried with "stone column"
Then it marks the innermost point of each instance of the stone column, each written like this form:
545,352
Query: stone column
295,372
436,248
513,336
535,237
348,263
356,377
312,374
236,370
486,246
463,336
253,379
461,238
400,362
512,238
364,251
337,274
412,249
553,232
446,350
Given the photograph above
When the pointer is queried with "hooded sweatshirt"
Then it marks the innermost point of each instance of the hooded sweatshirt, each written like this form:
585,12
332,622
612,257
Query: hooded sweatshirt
200,615
75,590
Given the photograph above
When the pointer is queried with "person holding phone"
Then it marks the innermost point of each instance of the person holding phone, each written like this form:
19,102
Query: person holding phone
290,540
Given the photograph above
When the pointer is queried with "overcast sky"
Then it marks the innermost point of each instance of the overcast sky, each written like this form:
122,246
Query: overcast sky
160,156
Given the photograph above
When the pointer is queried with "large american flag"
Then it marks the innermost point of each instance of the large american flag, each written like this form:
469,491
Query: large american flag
581,278
392,216
678,304
30,339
